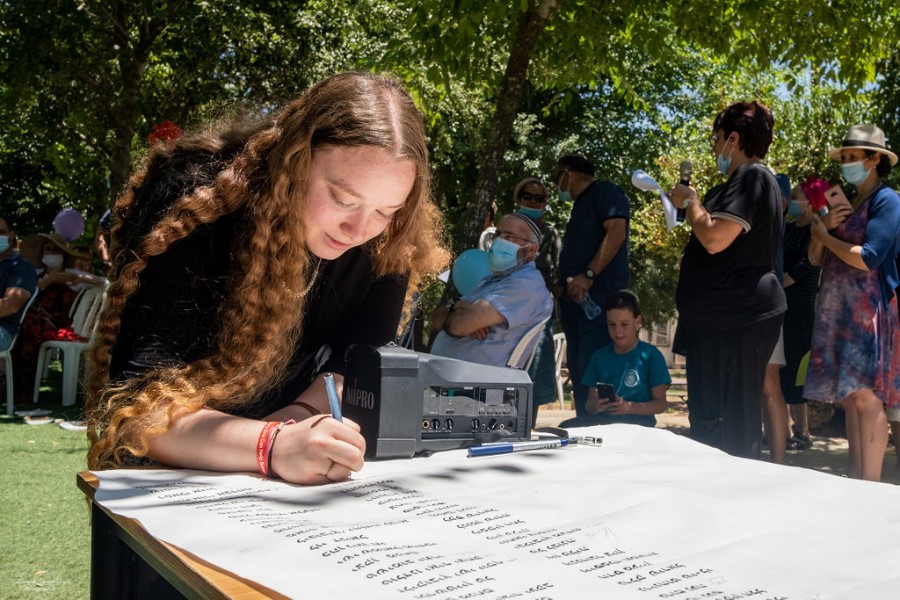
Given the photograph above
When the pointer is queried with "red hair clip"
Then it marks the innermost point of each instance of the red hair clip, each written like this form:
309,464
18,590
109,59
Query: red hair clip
166,131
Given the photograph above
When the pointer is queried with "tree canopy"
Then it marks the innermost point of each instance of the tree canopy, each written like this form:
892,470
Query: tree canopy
505,87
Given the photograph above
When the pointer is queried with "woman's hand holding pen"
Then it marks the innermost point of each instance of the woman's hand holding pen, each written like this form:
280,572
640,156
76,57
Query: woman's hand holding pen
318,450
313,401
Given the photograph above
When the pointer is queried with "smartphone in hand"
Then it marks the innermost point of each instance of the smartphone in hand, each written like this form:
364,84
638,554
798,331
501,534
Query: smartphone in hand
606,392
835,197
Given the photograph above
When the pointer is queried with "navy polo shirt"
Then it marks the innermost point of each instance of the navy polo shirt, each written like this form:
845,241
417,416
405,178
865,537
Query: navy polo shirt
600,201
17,272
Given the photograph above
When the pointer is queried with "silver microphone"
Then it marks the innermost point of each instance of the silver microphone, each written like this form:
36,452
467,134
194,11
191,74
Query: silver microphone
687,169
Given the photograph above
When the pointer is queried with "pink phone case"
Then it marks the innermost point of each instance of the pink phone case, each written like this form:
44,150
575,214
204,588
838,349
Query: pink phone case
836,197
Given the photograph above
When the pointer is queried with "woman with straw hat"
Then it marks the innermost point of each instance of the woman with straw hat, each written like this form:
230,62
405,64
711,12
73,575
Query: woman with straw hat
857,325
51,255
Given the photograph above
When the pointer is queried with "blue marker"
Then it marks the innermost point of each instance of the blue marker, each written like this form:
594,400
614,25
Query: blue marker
491,449
333,401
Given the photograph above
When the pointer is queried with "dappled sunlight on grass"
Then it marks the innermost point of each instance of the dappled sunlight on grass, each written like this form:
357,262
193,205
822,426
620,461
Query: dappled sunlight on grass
43,515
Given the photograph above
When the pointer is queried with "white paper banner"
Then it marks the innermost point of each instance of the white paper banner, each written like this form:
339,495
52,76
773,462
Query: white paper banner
648,515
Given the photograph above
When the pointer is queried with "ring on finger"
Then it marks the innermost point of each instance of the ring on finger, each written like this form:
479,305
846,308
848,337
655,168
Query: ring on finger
325,474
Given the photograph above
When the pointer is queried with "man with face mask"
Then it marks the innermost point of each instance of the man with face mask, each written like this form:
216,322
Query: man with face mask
593,263
18,282
485,325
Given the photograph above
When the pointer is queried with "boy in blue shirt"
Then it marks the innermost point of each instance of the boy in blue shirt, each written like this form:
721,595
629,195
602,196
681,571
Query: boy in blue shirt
636,370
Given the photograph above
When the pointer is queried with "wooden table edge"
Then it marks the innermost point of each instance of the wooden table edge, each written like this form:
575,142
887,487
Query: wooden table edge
207,579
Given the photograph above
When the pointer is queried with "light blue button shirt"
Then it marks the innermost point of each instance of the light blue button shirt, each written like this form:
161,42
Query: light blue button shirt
523,300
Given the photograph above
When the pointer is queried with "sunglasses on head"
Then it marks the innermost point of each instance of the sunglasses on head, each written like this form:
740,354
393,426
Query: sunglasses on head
532,197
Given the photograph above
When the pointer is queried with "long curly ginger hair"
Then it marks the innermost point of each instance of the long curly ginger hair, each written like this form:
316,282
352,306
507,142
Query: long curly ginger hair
261,319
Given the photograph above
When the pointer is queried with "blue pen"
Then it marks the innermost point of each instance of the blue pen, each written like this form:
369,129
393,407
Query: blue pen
491,449
333,401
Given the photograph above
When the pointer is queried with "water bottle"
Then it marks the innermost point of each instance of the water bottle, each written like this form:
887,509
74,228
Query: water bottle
590,308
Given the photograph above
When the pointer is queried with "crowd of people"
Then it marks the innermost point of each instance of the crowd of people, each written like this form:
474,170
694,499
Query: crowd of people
246,258
729,330
759,254
40,278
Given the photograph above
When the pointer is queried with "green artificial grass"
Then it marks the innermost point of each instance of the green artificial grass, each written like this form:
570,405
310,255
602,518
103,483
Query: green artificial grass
45,530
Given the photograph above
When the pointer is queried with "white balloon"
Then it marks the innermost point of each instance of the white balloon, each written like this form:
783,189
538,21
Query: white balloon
642,181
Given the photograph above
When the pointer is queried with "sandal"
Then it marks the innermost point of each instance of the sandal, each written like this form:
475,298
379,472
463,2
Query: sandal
799,442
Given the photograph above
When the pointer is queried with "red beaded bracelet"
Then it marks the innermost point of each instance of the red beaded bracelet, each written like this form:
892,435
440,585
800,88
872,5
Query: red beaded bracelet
262,447
272,437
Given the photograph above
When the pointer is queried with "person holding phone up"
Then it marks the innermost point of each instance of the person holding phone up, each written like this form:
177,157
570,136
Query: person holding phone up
854,359
627,380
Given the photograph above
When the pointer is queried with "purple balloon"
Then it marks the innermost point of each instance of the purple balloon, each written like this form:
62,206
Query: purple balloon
69,223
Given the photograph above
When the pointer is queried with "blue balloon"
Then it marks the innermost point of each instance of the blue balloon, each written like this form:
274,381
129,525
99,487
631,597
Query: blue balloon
469,269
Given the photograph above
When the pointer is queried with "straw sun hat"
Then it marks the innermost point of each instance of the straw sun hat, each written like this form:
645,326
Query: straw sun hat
31,247
864,137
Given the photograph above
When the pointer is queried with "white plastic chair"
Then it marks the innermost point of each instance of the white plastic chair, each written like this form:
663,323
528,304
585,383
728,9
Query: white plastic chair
6,357
524,352
78,312
85,312
559,350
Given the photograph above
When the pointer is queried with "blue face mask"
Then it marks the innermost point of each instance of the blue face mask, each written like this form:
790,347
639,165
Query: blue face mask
503,256
4,243
534,213
794,209
564,195
855,173
723,164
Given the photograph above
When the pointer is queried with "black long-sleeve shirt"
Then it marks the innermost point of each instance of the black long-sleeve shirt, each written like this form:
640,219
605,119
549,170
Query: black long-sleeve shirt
174,318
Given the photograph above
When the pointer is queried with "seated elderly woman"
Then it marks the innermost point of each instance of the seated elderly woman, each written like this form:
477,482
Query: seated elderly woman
58,284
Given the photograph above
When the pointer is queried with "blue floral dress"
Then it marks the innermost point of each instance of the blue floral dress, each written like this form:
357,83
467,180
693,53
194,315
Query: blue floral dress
856,332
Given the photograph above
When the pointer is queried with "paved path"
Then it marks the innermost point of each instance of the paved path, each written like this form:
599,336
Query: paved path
828,454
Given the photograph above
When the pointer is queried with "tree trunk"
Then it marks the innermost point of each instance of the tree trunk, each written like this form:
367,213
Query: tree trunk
531,25
134,52
124,117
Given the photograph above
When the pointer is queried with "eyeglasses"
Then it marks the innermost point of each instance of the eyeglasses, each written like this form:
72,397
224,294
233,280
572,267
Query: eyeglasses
506,235
539,198
558,172
713,138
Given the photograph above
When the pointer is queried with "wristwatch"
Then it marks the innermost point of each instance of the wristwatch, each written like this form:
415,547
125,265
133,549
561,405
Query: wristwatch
589,273
451,304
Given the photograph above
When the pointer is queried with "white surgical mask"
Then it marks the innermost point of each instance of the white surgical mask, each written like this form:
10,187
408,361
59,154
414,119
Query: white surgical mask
52,261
